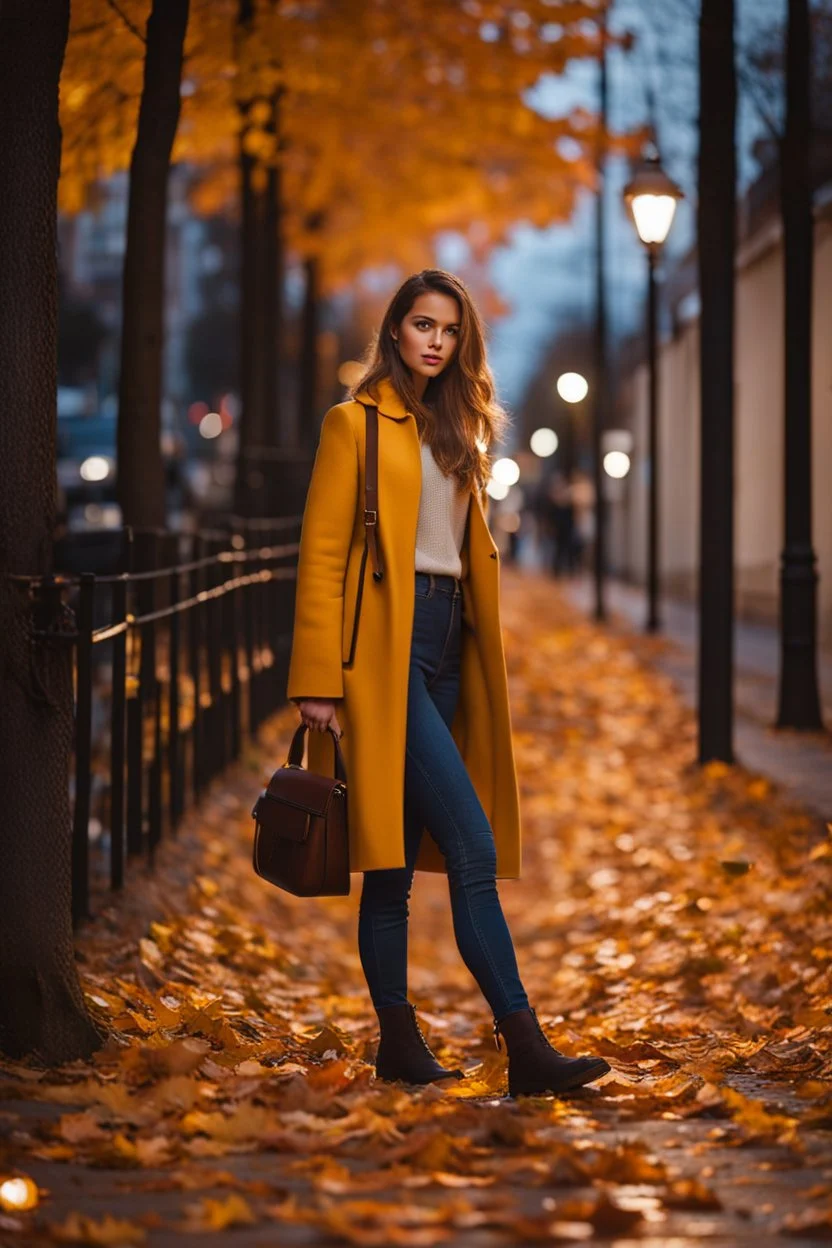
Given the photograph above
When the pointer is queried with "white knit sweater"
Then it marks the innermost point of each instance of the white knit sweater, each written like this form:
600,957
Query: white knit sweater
443,510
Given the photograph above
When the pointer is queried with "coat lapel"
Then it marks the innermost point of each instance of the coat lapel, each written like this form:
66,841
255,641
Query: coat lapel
478,543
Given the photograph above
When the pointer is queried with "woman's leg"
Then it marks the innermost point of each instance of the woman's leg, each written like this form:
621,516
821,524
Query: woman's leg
441,796
382,923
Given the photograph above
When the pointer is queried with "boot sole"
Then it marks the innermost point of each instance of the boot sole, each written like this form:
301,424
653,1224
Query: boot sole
420,1083
595,1071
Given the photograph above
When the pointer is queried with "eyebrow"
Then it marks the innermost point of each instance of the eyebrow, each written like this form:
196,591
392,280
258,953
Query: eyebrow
420,316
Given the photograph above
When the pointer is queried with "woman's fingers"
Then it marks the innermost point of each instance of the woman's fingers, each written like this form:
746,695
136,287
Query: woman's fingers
321,725
320,717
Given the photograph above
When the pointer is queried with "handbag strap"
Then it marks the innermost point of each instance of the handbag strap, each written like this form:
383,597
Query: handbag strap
371,490
295,758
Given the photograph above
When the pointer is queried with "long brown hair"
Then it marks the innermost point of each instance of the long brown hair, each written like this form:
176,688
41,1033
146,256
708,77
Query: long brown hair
459,407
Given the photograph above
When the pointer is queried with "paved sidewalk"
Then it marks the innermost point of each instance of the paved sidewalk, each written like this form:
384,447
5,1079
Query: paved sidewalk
801,762
672,918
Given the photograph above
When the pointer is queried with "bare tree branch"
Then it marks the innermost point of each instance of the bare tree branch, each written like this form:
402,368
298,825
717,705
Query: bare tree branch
127,22
758,99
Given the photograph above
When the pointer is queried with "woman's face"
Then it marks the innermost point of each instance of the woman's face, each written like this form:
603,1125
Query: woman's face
428,335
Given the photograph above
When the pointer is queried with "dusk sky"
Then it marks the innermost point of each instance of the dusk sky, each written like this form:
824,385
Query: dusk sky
548,275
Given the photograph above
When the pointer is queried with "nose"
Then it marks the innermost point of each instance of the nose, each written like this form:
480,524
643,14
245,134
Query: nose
436,341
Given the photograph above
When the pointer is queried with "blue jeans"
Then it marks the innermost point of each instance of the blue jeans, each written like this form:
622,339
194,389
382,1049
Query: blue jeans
439,794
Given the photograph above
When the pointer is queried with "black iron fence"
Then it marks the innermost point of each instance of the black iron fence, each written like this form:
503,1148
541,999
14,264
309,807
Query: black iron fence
180,654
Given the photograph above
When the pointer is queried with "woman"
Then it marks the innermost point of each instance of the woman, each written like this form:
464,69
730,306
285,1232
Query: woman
409,666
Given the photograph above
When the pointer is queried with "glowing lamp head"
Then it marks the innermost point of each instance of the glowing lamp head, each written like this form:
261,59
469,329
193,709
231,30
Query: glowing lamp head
652,197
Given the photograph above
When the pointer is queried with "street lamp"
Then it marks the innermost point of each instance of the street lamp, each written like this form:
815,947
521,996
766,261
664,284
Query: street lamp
652,197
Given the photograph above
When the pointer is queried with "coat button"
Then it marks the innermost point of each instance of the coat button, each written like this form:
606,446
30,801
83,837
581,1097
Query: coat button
493,554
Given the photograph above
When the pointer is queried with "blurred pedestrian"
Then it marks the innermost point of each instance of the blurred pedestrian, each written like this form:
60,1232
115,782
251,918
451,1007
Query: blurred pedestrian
582,492
562,520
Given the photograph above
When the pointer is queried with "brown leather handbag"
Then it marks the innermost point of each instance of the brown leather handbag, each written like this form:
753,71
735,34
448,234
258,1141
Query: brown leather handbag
301,840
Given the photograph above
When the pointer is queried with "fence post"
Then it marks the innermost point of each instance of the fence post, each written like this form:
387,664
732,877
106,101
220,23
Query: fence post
150,679
83,750
283,619
134,711
195,664
258,592
215,752
233,631
248,638
175,776
117,736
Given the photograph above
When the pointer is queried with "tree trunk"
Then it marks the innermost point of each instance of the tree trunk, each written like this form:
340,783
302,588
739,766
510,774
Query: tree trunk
141,474
799,700
42,1009
261,282
272,321
716,246
252,364
309,356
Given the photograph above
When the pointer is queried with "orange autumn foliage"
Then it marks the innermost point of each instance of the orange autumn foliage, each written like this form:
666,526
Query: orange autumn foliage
394,124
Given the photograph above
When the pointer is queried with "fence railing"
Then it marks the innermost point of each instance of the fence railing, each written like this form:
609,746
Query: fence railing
178,660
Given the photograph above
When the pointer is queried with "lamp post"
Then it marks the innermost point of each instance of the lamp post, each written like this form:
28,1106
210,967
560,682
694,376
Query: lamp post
573,389
652,197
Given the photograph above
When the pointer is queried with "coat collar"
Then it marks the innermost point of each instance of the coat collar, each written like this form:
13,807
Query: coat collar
389,404
386,398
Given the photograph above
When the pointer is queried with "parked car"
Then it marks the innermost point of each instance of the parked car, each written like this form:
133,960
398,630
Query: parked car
87,471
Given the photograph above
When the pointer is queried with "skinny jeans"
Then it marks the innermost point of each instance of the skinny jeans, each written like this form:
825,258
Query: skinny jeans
439,795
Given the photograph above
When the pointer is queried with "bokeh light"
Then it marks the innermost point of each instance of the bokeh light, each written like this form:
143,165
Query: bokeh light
18,1194
349,372
544,442
95,468
506,471
616,464
572,387
211,425
497,489
196,412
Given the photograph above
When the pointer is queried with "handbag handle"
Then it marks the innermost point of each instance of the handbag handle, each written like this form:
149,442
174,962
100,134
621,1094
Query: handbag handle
295,758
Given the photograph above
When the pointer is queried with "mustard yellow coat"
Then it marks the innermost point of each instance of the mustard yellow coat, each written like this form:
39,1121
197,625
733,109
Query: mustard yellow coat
373,712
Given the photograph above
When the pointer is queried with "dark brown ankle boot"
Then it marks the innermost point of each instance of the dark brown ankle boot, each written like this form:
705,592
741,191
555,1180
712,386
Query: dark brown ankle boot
534,1066
403,1052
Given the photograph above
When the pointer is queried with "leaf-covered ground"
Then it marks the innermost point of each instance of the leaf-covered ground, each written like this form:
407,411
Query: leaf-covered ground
673,919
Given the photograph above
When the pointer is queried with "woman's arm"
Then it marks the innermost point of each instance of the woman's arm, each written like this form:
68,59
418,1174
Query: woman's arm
328,519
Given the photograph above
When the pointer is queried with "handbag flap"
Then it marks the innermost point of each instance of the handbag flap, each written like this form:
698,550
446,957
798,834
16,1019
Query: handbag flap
303,789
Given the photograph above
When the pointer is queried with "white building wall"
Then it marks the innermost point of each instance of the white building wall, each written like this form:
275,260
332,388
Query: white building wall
758,363
759,400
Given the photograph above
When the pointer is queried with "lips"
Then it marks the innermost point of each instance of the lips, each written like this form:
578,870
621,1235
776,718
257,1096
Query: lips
432,359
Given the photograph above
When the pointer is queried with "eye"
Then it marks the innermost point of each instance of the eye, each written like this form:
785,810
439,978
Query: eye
453,330
422,324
